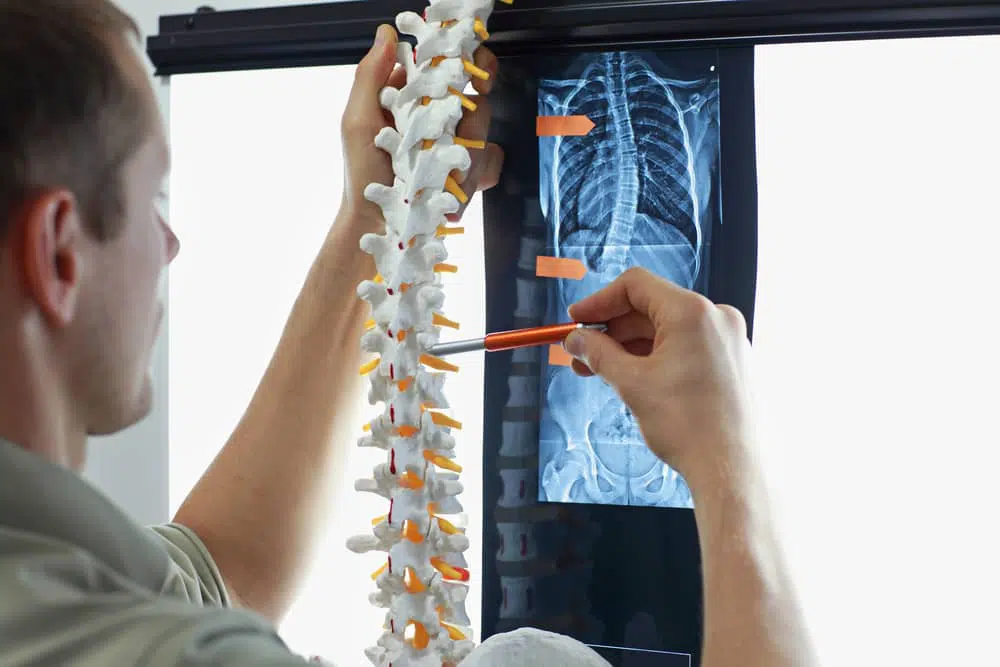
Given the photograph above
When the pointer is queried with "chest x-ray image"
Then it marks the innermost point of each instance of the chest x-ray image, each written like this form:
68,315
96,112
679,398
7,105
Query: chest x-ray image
639,189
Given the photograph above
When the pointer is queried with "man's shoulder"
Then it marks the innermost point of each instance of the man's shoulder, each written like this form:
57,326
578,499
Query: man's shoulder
59,604
193,574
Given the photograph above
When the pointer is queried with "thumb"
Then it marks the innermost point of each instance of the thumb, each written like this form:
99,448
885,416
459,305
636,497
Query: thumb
602,354
374,69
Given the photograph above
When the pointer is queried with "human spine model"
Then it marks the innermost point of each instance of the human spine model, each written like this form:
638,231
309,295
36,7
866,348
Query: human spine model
423,581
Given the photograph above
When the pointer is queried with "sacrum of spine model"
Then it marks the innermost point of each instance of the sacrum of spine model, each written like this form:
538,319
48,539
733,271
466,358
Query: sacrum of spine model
423,583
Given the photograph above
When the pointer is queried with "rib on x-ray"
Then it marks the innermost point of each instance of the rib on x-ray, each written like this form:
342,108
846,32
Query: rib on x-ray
641,189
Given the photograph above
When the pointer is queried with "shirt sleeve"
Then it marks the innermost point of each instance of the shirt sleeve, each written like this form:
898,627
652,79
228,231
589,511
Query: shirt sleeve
194,575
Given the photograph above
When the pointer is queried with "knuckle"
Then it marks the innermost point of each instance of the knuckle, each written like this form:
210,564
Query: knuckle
697,310
635,273
734,319
353,124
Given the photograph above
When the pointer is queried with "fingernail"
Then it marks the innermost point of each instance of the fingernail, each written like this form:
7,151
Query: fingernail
574,345
382,35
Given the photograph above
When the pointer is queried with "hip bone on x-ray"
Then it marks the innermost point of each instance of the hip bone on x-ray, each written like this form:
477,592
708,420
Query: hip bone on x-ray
640,189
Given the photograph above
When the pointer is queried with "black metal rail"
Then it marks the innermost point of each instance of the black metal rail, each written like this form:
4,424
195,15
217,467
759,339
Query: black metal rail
341,32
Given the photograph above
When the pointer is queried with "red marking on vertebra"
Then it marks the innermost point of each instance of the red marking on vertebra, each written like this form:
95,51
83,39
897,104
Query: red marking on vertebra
401,246
392,629
522,490
388,520
392,371
390,564
390,292
392,413
524,545
392,462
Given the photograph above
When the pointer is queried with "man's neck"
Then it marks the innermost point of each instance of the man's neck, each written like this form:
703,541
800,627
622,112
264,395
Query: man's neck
34,412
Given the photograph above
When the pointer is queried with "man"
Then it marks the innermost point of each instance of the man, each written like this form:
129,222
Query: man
83,156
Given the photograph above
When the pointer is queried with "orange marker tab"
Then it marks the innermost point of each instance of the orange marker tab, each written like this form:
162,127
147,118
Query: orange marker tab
558,356
563,126
560,267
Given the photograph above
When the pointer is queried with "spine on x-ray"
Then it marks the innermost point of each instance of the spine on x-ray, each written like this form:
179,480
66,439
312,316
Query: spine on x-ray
422,583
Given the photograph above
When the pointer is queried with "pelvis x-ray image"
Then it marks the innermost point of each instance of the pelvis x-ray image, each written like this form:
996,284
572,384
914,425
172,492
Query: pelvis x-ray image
640,189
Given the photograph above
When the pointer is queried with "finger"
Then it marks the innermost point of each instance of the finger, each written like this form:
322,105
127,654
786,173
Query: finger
491,168
633,326
734,318
475,125
637,348
363,110
641,347
635,290
604,356
485,60
398,77
372,73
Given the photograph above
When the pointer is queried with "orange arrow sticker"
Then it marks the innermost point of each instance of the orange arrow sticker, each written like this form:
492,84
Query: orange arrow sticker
560,267
563,126
558,356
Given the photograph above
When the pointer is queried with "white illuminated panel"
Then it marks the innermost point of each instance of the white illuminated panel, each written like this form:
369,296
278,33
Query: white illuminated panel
876,344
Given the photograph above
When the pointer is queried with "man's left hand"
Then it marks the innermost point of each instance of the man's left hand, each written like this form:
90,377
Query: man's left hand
364,118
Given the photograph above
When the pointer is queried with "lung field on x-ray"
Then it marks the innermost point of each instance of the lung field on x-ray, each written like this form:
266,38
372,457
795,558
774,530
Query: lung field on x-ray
640,189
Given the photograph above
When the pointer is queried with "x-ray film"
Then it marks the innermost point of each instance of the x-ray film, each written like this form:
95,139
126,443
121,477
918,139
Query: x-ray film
629,150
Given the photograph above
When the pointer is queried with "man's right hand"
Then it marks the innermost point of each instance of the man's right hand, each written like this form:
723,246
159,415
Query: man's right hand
677,360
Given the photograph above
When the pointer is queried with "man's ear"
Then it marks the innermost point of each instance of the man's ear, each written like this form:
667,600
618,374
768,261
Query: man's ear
49,241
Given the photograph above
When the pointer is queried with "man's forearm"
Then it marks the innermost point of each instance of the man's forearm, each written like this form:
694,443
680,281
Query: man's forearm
259,506
752,614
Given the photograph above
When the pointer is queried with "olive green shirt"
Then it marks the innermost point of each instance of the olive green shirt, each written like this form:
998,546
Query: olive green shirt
83,585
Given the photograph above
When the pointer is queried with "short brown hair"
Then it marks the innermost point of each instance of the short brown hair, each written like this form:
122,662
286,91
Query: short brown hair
71,114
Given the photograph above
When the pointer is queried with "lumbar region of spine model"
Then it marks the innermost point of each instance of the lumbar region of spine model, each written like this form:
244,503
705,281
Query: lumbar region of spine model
423,581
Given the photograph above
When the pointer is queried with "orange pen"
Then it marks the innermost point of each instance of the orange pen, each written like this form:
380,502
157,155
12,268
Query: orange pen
510,340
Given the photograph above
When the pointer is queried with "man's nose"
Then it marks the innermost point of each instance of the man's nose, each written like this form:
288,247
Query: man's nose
173,243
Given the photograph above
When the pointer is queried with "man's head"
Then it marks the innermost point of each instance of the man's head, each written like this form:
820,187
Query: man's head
83,158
